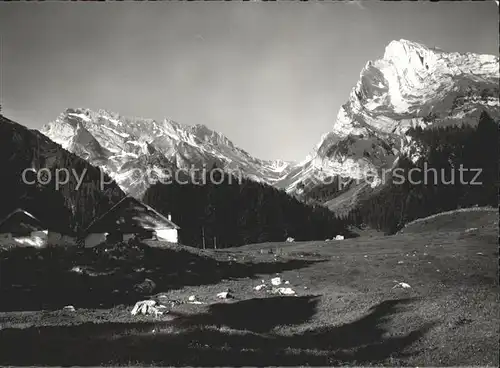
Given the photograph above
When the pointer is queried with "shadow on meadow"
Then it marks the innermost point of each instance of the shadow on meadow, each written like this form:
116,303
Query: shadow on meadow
36,279
235,334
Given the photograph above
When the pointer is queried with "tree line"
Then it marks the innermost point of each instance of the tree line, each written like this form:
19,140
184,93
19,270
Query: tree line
66,208
235,213
444,150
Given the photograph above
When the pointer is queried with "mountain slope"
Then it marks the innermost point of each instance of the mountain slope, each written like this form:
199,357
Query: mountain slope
132,150
73,204
412,85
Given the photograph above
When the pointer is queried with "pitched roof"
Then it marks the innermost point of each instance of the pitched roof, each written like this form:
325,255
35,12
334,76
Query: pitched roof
129,216
21,221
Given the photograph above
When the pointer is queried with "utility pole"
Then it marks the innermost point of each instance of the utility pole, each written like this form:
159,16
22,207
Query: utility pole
203,236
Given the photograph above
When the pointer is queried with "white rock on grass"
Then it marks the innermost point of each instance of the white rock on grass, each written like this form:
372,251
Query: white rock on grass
259,287
223,295
276,281
284,291
139,306
192,300
403,285
147,307
69,308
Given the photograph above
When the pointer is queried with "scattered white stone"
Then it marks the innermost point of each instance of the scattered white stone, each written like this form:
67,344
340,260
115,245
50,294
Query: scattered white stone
400,262
480,253
223,295
276,281
259,287
287,282
403,285
339,237
147,307
285,291
290,240
192,300
365,256
69,308
77,269
471,229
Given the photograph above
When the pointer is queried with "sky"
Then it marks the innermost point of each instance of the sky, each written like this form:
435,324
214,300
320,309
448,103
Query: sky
270,76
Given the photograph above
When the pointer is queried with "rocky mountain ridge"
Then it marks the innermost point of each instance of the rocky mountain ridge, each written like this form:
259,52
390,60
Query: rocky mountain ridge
411,85
134,150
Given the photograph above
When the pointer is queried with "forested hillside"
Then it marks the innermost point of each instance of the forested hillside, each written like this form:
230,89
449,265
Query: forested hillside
234,213
64,208
444,149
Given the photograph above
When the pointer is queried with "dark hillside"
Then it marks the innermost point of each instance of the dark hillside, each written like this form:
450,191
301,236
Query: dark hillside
68,206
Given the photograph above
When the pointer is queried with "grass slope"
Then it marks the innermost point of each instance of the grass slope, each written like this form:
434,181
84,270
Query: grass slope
346,310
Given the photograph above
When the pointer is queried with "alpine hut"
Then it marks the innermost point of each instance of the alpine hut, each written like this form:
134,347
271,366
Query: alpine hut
129,219
21,228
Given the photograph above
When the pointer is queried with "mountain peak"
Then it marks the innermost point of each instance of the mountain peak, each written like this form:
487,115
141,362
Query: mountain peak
411,85
120,145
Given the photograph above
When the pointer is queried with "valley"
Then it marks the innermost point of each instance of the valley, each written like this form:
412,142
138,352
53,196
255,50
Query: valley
348,306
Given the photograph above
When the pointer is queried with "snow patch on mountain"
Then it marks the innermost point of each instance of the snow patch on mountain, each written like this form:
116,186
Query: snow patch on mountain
130,149
411,85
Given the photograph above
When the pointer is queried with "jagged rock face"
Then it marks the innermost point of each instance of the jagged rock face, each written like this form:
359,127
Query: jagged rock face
134,150
412,85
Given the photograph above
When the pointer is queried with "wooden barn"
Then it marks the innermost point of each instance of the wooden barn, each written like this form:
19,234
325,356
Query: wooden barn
129,219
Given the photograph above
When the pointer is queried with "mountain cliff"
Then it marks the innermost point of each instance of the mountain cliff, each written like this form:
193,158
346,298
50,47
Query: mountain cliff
412,85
